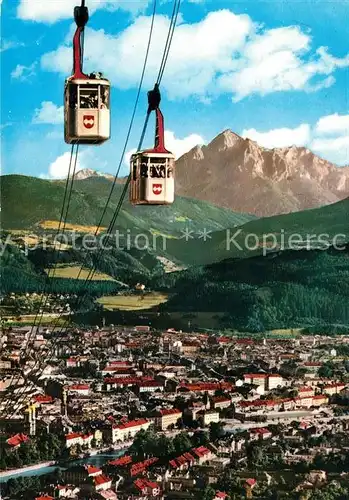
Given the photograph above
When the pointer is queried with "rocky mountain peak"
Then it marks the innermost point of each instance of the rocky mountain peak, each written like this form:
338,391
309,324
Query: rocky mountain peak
226,140
241,175
86,173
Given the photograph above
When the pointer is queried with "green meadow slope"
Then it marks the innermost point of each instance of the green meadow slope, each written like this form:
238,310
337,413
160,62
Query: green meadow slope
26,201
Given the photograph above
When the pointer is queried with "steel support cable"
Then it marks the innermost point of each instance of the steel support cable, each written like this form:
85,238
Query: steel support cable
168,43
66,189
140,85
168,38
70,178
127,137
50,276
66,205
163,63
160,75
110,228
159,78
42,304
43,299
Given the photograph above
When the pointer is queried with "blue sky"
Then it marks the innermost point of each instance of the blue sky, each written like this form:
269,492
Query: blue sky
275,71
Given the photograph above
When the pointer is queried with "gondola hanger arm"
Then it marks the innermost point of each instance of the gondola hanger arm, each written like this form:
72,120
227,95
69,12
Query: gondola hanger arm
81,18
154,99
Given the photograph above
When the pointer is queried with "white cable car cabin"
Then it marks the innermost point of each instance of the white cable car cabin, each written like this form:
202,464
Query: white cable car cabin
86,104
152,172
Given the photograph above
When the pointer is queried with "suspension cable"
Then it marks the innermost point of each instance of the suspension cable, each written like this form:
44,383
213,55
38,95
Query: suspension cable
163,63
49,276
168,44
125,145
63,219
124,192
44,295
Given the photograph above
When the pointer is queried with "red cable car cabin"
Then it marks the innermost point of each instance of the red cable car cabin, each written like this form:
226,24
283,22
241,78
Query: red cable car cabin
152,171
86,98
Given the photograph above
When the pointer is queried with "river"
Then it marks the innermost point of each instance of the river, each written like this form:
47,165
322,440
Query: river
98,460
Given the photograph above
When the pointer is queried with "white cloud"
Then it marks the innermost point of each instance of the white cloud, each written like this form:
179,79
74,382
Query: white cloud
23,72
280,137
333,124
60,167
128,155
10,44
50,11
329,137
222,53
189,71
280,60
48,113
180,146
177,146
335,149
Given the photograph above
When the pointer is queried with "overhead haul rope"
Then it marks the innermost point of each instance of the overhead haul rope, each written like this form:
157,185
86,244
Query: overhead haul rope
44,296
151,107
122,197
124,192
81,18
168,44
119,166
166,52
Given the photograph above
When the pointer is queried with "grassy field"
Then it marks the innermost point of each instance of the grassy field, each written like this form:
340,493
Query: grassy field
72,272
32,241
54,224
132,302
29,319
290,332
154,232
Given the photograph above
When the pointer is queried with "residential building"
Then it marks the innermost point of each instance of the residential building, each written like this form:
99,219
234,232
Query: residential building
128,430
167,417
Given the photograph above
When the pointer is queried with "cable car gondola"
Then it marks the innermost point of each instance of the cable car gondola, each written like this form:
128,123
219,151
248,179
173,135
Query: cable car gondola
86,97
152,170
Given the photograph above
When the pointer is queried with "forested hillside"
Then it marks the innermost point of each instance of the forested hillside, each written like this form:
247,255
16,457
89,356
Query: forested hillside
283,290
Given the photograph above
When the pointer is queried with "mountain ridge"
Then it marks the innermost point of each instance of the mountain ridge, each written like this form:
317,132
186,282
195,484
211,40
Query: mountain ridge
236,173
86,173
239,174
